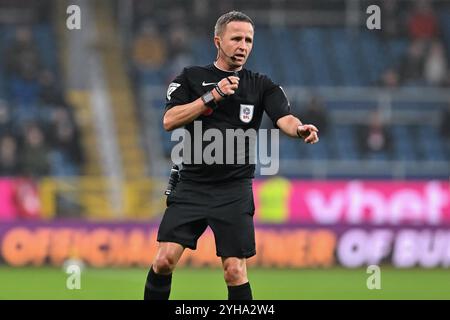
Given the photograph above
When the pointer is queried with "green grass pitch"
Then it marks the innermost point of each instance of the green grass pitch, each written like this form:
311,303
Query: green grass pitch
191,284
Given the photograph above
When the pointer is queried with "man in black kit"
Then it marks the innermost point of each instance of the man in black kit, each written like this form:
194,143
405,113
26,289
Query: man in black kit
222,96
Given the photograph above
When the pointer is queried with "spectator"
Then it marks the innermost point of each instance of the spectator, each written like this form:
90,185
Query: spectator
23,65
390,79
34,153
445,126
9,165
375,136
179,50
201,14
315,113
149,49
447,79
49,91
64,137
22,57
5,118
423,23
392,20
411,70
435,66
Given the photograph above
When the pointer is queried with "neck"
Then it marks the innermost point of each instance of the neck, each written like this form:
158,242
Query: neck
222,65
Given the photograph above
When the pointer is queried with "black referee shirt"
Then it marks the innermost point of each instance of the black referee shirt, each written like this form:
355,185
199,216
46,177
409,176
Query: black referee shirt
243,110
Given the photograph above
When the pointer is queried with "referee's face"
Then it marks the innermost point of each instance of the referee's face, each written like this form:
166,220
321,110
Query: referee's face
235,44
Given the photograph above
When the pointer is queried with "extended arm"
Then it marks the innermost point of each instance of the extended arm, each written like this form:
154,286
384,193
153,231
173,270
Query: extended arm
293,127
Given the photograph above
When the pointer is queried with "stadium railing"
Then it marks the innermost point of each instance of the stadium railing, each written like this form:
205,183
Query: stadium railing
90,197
404,106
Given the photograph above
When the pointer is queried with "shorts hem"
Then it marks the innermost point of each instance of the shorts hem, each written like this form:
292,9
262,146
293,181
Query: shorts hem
184,244
244,255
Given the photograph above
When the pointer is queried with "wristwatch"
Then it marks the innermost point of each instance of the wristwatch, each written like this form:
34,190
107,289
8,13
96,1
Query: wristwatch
208,100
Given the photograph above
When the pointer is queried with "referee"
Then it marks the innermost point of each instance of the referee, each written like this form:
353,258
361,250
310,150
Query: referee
222,96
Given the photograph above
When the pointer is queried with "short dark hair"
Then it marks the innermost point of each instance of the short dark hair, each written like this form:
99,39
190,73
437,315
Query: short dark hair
229,17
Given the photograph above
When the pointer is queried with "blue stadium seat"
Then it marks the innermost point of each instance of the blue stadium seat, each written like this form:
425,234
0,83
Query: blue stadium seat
418,106
344,142
150,78
312,41
403,143
374,55
431,143
396,49
290,148
445,27
378,156
203,51
45,39
345,58
352,105
261,59
292,70
61,165
319,151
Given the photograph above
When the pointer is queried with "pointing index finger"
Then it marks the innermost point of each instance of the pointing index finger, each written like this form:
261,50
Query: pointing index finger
312,127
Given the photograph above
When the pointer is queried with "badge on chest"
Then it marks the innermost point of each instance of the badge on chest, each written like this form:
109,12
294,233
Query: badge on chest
246,113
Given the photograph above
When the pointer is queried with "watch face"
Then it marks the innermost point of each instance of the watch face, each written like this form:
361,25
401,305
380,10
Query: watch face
209,96
208,100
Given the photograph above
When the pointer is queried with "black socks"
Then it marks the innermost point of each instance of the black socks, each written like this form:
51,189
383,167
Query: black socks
157,286
241,292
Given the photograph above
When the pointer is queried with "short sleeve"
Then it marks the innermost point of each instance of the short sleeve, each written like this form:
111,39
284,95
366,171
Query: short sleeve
178,91
275,102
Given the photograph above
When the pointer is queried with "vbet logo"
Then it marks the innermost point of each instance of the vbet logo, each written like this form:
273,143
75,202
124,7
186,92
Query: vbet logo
370,202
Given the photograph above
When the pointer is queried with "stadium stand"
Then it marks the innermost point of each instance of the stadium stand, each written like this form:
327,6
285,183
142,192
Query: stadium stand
328,57
351,70
37,117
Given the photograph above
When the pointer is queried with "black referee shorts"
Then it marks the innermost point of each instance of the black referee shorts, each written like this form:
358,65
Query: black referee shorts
228,209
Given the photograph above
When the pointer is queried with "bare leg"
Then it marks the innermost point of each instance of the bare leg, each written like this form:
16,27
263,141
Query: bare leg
235,274
159,279
167,257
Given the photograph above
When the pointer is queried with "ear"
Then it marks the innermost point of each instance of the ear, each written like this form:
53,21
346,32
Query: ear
217,42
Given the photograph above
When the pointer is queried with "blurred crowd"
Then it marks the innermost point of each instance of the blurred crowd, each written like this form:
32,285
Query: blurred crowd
425,61
38,132
151,51
162,39
374,136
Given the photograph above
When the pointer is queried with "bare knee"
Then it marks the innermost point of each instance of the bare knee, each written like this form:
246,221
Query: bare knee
235,273
164,264
167,257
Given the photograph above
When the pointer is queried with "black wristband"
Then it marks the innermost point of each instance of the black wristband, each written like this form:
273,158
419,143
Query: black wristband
208,100
220,92
299,134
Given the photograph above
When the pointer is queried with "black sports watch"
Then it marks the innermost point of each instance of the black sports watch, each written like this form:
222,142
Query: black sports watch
208,100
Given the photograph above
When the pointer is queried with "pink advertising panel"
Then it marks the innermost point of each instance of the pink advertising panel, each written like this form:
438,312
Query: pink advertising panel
353,202
8,208
19,199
